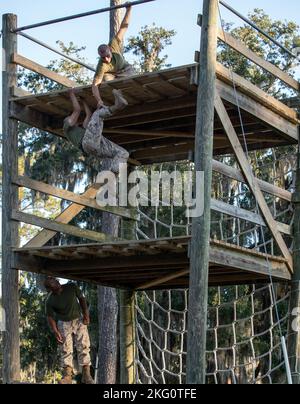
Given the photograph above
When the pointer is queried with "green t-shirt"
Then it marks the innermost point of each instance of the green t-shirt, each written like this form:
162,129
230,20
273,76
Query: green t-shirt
117,63
73,133
64,307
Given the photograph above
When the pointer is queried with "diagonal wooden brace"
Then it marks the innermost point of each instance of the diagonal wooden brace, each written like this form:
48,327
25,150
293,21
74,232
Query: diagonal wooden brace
251,179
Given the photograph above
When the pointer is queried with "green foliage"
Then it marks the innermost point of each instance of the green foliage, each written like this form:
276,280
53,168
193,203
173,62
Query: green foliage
284,32
148,45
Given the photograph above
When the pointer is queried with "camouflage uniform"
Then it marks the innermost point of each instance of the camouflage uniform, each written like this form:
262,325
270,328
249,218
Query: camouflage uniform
127,72
75,328
94,143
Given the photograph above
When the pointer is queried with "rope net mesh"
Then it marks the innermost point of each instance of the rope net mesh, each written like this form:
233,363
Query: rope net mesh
243,335
243,338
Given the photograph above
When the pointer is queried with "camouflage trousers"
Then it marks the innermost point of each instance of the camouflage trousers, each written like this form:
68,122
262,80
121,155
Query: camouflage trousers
95,144
77,330
126,72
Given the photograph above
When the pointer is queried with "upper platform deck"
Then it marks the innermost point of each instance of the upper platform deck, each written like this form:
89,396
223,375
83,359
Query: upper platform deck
159,123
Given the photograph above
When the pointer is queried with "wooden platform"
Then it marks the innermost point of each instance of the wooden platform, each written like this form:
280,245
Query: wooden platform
159,123
148,264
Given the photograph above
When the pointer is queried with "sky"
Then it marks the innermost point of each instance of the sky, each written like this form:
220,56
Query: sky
180,15
91,31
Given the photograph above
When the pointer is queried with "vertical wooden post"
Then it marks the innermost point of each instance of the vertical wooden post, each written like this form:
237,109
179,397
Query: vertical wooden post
10,295
127,337
294,334
199,252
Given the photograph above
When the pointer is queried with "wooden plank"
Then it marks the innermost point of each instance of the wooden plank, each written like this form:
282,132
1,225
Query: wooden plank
59,227
162,280
237,175
145,246
261,112
248,262
10,237
27,182
180,112
222,207
19,92
247,251
249,54
149,133
36,119
251,180
256,93
201,225
49,74
65,217
168,150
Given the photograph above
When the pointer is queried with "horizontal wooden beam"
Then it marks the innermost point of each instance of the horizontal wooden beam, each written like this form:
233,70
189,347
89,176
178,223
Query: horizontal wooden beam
246,87
49,74
269,67
237,175
65,217
234,211
19,92
60,227
239,259
35,119
163,280
265,114
27,182
149,133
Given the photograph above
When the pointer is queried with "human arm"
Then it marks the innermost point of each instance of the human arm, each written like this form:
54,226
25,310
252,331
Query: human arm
125,23
96,93
85,310
97,81
54,329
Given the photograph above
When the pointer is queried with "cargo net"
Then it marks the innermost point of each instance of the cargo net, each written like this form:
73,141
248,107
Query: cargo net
235,216
243,337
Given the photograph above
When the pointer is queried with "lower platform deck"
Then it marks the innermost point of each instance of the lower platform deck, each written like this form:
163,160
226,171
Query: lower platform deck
149,264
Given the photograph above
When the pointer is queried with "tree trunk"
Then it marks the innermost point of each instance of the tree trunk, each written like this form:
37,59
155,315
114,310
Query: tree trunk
107,297
108,318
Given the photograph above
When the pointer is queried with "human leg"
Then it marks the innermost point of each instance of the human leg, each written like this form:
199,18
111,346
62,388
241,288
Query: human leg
82,341
66,351
88,115
120,101
73,118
